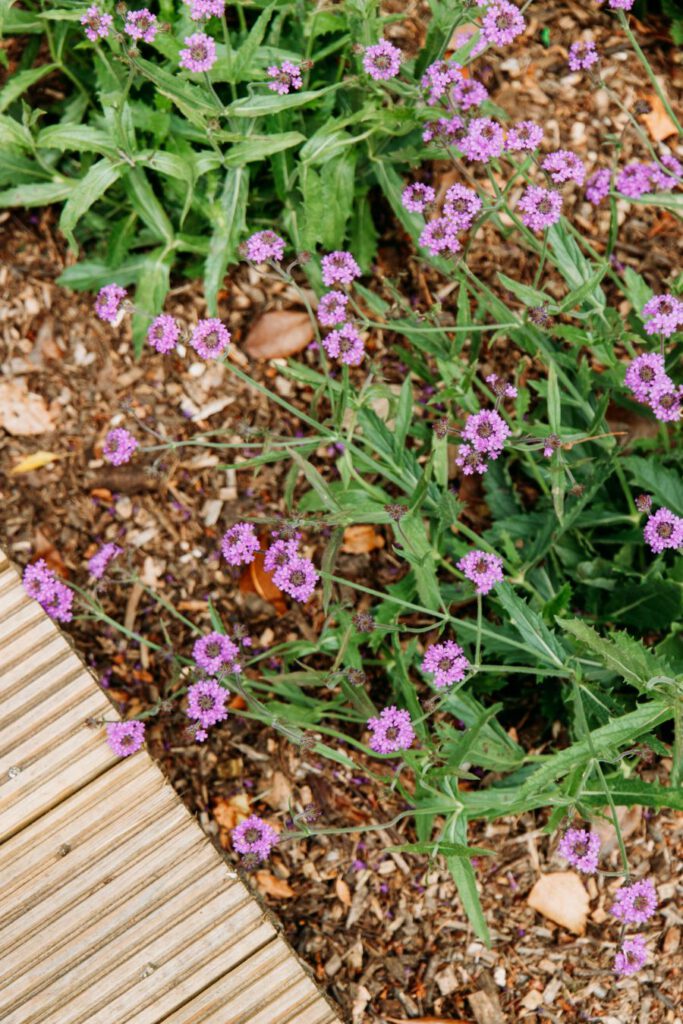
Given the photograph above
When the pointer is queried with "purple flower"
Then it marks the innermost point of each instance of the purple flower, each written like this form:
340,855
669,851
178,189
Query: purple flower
598,186
540,207
285,77
582,55
391,731
39,581
634,180
665,400
501,388
417,197
97,565
483,141
482,569
665,313
210,338
663,530
470,460
437,79
119,445
632,955
487,431
214,651
525,135
206,703
200,9
240,544
551,444
332,308
345,344
447,130
447,661
125,738
279,554
297,577
108,303
440,237
142,25
163,334
96,23
59,601
563,165
619,5
468,92
502,23
254,836
461,206
382,60
643,372
339,268
199,54
581,849
263,246
635,903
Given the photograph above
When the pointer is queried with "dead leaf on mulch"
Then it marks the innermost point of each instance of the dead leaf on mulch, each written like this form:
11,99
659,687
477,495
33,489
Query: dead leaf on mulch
342,891
358,540
44,548
659,124
561,897
280,333
35,461
272,886
230,812
22,412
255,580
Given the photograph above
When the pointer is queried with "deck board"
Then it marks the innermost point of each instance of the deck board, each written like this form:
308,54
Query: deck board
115,908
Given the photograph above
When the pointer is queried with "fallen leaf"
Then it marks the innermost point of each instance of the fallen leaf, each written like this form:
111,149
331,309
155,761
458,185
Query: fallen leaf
672,941
272,886
561,897
343,892
255,580
44,548
280,333
659,124
279,793
22,412
229,812
35,461
358,540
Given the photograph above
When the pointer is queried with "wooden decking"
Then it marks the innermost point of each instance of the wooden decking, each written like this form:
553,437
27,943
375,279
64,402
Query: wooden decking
114,906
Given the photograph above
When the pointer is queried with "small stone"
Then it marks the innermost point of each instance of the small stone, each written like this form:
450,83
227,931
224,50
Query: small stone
13,771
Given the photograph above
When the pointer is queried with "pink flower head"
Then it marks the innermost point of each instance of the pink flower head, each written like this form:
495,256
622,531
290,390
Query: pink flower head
551,444
263,246
447,130
97,565
483,141
285,77
540,207
674,165
487,431
39,581
254,836
502,23
461,206
665,400
417,197
437,79
297,577
563,165
108,303
142,25
339,268
501,388
391,731
665,313
214,652
345,344
581,849
199,53
125,738
619,5
663,530
240,544
598,186
200,9
382,60
440,237
634,180
448,663
468,92
332,308
632,956
635,903
206,702
525,135
96,23
59,601
279,554
482,569
470,460
119,445
643,373
163,334
210,338
582,55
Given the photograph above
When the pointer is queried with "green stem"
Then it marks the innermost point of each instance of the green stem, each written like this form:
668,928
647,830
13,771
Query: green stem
677,766
477,649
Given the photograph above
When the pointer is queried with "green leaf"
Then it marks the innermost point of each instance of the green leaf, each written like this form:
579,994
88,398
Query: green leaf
229,215
328,562
259,106
261,146
465,879
152,288
529,296
246,52
665,485
81,137
578,295
620,653
99,178
417,550
22,81
442,848
531,627
144,201
12,133
652,604
627,792
319,485
41,194
191,101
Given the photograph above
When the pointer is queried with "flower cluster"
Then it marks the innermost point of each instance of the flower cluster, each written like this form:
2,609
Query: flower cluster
438,79
502,23
332,308
142,25
206,705
118,447
163,333
199,53
108,304
345,341
417,197
664,313
635,903
664,529
240,544
339,268
448,663
485,433
97,565
581,849
598,186
125,738
292,573
392,730
42,584
382,61
216,653
501,388
263,246
541,207
97,24
563,165
483,141
285,77
209,338
523,136
200,9
254,837
483,569
582,55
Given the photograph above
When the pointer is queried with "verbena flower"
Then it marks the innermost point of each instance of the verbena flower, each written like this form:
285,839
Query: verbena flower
263,246
634,180
142,25
215,652
96,23
206,704
209,338
438,78
417,197
382,61
665,313
582,55
482,569
468,92
332,308
297,577
125,738
461,206
665,400
392,730
279,553
339,268
108,302
598,186
563,165
38,580
581,848
636,903
643,372
525,135
119,445
632,956
97,565
470,460
163,333
285,77
440,237
254,837
618,5
447,130
345,344
199,53
551,444
240,544
447,661
500,387
58,602
483,141
663,530
487,431
502,23
540,207
200,9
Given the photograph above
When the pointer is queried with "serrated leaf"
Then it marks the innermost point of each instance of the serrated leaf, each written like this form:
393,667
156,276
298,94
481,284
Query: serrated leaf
619,653
22,81
99,178
81,137
664,484
259,106
229,223
261,147
529,296
144,201
151,290
443,848
531,627
12,133
464,877
247,50
41,194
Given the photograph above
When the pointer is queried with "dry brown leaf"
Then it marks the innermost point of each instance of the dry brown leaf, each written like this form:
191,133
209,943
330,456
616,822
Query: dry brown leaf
272,886
255,580
22,412
672,941
358,540
44,548
279,792
280,333
343,892
561,897
230,812
35,461
659,124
